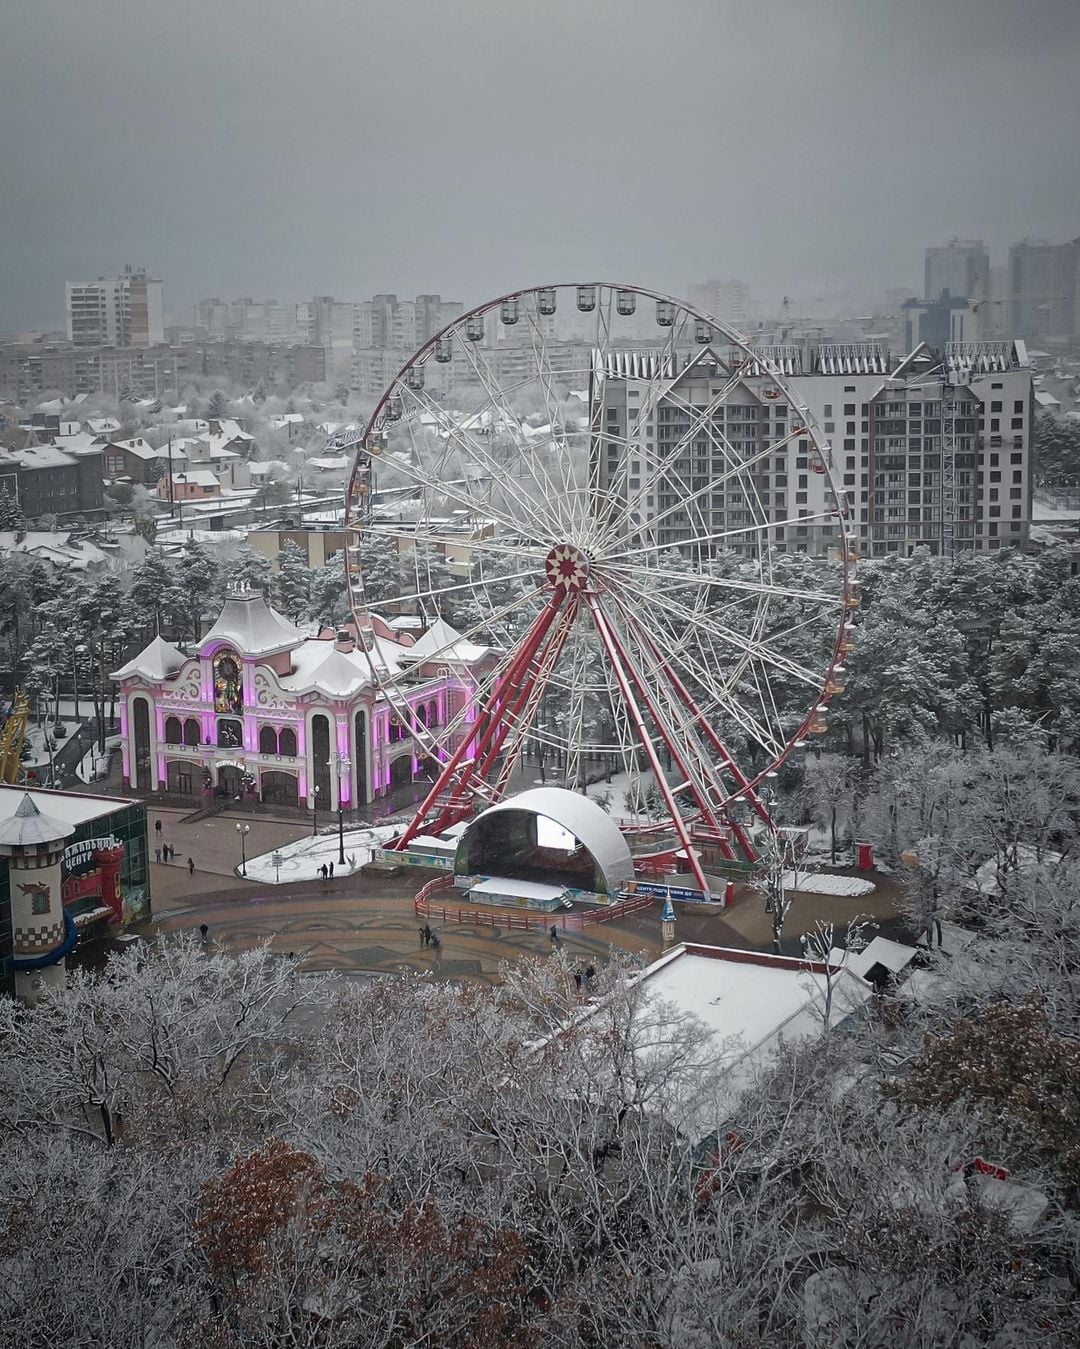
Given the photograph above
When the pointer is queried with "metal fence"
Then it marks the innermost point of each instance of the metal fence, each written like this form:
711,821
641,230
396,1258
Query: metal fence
519,922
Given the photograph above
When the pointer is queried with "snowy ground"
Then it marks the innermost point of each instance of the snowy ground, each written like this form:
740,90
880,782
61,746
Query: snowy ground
300,861
819,883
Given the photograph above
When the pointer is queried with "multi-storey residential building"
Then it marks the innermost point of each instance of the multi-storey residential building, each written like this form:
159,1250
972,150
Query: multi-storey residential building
961,267
1042,295
387,330
28,370
932,450
122,311
728,300
250,363
46,480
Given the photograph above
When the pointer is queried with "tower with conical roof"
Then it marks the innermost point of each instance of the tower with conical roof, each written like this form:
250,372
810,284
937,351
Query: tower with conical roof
43,935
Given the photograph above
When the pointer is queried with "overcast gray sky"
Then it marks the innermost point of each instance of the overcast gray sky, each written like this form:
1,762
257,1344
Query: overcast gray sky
256,147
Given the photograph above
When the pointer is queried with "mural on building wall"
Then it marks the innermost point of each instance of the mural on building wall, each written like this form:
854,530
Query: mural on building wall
228,688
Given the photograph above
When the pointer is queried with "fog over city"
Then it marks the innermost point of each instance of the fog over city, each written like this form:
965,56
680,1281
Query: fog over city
808,146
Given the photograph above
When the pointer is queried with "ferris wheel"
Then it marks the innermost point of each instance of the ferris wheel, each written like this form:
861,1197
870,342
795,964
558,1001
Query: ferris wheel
589,484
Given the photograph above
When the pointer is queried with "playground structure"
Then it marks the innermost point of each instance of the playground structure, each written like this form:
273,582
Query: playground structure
619,566
13,738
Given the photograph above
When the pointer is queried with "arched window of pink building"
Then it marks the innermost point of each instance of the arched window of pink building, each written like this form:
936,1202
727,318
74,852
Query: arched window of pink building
172,731
268,740
287,741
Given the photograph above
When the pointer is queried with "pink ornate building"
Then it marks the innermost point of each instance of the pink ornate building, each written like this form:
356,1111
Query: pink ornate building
263,711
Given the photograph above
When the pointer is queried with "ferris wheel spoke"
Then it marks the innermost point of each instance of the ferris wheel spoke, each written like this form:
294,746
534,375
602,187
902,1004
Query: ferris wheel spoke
666,465
686,716
497,400
700,541
438,591
722,694
484,546
757,650
558,443
471,444
626,680
530,701
706,491
677,579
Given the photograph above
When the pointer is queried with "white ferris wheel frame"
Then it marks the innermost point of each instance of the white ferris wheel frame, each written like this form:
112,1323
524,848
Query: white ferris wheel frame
639,669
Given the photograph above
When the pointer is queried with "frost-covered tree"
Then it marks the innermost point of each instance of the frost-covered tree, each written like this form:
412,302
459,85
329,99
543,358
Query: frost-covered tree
292,584
194,592
11,516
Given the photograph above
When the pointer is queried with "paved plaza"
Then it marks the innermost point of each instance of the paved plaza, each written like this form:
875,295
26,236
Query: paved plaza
367,923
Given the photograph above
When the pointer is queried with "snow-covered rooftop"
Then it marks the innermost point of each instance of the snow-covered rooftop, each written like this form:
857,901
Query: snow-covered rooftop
247,622
28,826
157,661
69,807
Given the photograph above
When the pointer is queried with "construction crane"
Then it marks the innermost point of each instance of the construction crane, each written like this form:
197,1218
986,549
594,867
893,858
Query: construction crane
12,739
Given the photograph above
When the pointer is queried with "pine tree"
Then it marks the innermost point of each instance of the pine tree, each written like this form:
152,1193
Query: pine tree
151,584
292,585
194,592
11,516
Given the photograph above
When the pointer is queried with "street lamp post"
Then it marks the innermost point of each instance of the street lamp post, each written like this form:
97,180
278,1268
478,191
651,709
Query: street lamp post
243,830
76,652
343,766
314,810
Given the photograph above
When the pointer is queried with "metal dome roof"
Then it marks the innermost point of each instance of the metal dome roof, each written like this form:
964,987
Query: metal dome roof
590,824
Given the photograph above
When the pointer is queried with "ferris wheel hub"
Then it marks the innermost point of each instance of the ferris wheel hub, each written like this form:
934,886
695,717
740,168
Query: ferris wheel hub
567,567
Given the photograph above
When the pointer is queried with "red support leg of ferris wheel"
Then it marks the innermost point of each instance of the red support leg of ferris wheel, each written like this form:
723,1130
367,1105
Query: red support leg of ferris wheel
603,629
531,691
486,721
487,750
718,744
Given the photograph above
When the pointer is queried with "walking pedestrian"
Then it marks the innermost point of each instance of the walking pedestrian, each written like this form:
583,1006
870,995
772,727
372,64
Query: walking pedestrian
157,854
590,975
204,932
157,828
191,866
428,935
331,871
164,852
577,980
436,942
423,939
170,853
554,935
322,871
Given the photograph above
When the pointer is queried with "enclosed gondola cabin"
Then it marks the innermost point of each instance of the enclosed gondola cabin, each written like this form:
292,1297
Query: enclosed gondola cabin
508,313
665,313
444,351
625,303
474,328
545,301
415,378
586,298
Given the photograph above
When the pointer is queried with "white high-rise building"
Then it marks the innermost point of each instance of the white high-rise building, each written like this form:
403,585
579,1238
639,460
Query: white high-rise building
927,452
122,311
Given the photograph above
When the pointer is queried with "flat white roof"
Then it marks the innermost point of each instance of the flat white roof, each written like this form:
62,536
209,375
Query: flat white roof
70,807
751,1002
497,885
